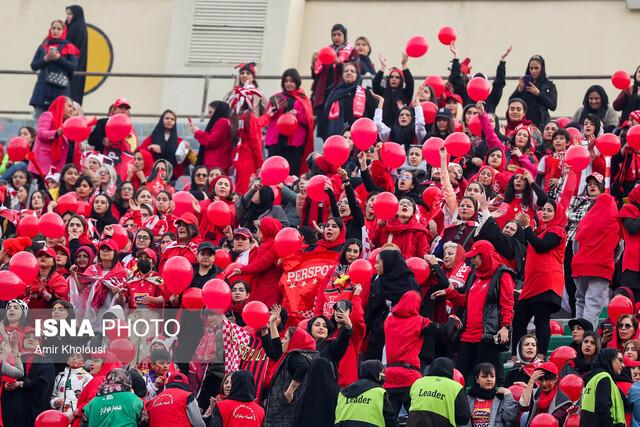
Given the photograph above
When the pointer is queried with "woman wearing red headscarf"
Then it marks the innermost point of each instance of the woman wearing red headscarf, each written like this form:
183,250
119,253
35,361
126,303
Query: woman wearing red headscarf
55,60
543,275
51,148
222,190
139,171
263,264
630,224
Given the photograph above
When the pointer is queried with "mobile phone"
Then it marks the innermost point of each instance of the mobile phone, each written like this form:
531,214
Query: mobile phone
273,101
527,80
53,49
607,327
189,120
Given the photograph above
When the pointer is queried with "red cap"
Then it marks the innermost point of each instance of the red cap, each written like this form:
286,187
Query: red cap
598,177
187,218
150,253
110,243
46,251
120,102
62,248
178,377
479,247
549,367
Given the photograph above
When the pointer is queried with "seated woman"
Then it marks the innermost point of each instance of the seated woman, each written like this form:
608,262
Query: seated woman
545,399
587,352
524,362
489,405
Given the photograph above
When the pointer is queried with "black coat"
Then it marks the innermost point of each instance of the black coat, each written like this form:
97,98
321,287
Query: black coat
77,34
21,406
44,93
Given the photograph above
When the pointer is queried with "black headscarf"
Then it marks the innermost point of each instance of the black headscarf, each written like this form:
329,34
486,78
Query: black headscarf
580,363
397,278
199,192
603,363
243,387
220,110
103,220
404,135
169,146
371,370
479,392
77,34
254,211
317,406
604,105
440,367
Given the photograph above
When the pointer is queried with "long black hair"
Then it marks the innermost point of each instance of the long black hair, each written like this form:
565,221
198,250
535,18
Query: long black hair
169,146
510,192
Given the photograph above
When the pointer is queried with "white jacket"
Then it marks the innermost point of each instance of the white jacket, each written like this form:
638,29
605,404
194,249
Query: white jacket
67,386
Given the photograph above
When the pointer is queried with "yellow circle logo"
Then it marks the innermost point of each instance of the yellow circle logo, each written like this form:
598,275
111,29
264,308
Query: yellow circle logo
99,57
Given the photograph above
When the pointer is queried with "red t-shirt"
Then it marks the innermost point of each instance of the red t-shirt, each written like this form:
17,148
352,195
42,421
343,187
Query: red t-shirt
481,413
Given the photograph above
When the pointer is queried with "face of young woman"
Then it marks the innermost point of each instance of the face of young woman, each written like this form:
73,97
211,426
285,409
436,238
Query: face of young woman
68,109
161,168
495,159
588,346
395,80
70,177
289,84
239,293
61,258
405,181
126,192
474,190
169,121
93,164
442,124
516,112
449,256
521,139
18,178
22,195
487,381
559,143
415,156
213,174
319,329
45,262
369,212
138,161
471,111
548,212
246,77
349,74
100,205
529,349
145,197
331,231
379,266
592,188
143,240
74,226
485,177
519,183
13,313
352,253
510,229
103,176
577,333
405,210
201,176
588,128
82,259
69,18
226,387
595,100
549,129
362,47
466,210
337,37
343,207
535,69
404,118
24,132
241,243
165,242
222,188
37,202
59,312
452,106
631,351
56,30
162,202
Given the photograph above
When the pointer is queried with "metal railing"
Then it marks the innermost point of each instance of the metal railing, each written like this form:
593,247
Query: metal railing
208,77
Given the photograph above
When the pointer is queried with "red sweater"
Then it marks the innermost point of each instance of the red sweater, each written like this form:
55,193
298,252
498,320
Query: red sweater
348,367
216,145
412,238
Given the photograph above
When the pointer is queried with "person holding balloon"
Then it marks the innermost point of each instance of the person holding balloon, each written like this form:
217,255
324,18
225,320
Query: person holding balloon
114,136
547,397
628,99
624,170
187,240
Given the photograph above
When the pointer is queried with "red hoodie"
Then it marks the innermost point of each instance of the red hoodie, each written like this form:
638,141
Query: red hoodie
403,339
412,238
263,265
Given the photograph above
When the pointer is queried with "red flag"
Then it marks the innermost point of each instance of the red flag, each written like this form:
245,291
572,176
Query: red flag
125,160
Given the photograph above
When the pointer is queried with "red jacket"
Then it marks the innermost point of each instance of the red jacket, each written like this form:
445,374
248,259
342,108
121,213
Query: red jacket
56,284
631,255
247,155
189,251
348,367
169,408
597,237
403,339
412,238
216,145
240,414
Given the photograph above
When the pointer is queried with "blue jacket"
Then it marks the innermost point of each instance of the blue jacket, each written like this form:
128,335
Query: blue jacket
43,92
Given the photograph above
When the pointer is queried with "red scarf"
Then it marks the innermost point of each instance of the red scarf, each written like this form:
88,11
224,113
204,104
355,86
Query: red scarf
56,109
68,48
545,399
359,103
303,99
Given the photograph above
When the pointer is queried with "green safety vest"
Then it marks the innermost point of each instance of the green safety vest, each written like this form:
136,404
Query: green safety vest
366,408
589,397
437,395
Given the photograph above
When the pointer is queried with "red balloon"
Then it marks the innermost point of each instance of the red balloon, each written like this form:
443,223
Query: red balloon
372,257
255,314
618,306
633,137
192,299
183,201
393,155
304,323
475,126
51,225
219,213
577,157
561,355
67,203
51,418
10,285
544,420
576,136
432,195
437,84
563,122
385,206
458,377
431,151
420,268
177,274
621,80
360,271
119,235
287,241
75,128
230,268
478,89
571,385
123,349
25,265
274,170
608,144
516,391
28,226
556,328
429,110
457,144
287,124
364,133
315,188
17,149
216,295
447,35
572,420
118,127
336,150
417,46
222,258
327,56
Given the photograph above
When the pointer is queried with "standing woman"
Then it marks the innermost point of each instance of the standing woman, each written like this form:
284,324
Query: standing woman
347,102
396,89
363,48
164,143
51,147
77,34
543,274
537,91
292,100
54,60
215,141
629,217
629,99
